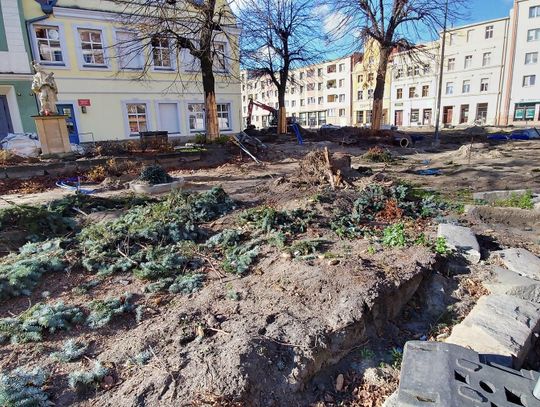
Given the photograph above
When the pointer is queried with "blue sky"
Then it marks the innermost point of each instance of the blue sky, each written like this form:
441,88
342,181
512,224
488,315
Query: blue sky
481,10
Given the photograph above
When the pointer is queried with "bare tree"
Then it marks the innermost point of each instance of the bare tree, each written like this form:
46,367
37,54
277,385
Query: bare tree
392,25
278,36
160,29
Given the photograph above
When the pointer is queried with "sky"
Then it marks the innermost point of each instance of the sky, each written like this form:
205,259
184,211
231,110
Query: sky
481,10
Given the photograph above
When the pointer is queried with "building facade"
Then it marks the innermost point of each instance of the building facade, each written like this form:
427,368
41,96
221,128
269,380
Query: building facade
521,105
413,86
17,102
80,40
316,95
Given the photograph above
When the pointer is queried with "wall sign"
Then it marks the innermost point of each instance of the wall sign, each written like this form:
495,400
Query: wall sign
84,102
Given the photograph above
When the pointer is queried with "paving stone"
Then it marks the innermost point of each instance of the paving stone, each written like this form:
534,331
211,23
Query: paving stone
461,239
508,282
499,325
439,374
392,400
521,261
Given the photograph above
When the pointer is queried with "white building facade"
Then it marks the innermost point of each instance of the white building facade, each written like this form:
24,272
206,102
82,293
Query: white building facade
522,90
316,95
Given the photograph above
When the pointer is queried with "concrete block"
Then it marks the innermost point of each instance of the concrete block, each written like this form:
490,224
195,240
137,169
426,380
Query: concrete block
510,283
491,196
437,374
499,325
521,261
462,239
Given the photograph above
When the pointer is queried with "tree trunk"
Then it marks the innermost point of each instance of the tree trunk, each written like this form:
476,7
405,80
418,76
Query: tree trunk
282,113
210,106
378,94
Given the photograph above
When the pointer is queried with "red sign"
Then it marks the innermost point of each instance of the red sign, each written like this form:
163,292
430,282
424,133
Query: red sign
84,102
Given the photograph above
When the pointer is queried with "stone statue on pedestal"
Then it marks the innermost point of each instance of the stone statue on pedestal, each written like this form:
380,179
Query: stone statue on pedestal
45,87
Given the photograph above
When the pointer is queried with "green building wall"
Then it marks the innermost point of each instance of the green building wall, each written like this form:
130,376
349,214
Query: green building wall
26,101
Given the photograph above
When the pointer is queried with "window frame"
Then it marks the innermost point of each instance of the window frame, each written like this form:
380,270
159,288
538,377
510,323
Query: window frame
83,65
148,114
172,58
467,62
453,61
486,58
534,10
489,31
447,86
536,35
188,114
64,64
468,83
118,55
530,83
533,53
484,81
425,88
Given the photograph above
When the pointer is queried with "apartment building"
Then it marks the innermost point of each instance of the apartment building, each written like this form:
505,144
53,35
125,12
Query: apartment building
316,95
363,85
522,89
473,73
98,91
413,86
17,103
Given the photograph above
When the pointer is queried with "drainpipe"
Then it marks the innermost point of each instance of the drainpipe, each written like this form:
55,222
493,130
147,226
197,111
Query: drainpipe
437,138
31,43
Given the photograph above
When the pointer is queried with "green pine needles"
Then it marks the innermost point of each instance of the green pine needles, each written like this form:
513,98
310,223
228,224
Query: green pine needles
71,351
20,388
102,311
82,380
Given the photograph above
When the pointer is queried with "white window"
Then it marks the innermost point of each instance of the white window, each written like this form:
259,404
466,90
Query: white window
399,73
224,116
341,98
161,53
92,49
489,32
219,57
486,59
533,35
331,112
427,69
451,39
370,94
451,64
468,61
196,117
449,88
341,67
531,58
466,87
320,101
137,117
341,83
469,35
48,44
484,84
534,11
360,94
341,112
416,70
129,50
529,80
293,103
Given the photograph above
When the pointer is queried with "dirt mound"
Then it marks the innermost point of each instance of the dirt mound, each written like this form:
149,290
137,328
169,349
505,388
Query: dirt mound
320,167
476,151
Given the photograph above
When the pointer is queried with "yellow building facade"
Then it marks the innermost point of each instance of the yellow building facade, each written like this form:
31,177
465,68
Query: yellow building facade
79,40
364,75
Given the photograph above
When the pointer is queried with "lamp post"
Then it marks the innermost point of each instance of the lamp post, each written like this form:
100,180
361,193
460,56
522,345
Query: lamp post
437,139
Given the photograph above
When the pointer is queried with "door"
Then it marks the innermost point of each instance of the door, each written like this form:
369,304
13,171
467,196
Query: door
426,118
398,118
168,118
447,114
68,111
5,119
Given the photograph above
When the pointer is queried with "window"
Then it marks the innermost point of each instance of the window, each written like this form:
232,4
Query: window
370,77
425,91
224,116
481,112
399,93
484,84
319,72
219,58
451,39
301,75
302,118
486,59
427,69
320,100
360,78
359,116
416,70
531,58
311,100
292,91
293,103
48,44
341,83
310,86
534,11
322,118
341,98
469,35
276,93
489,32
360,94
331,69
466,87
302,102
464,114
371,60
409,71
468,61
451,64
412,92
310,73
399,73
161,53
331,98
449,88
341,67
341,112
533,35
370,94
92,47
368,116
196,117
319,86
529,80
524,111
312,119
136,116
415,115
331,112
301,88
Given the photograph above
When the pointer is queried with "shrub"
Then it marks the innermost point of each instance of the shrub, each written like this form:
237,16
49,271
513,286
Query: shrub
20,273
71,351
154,174
523,201
102,311
305,247
266,219
378,155
89,203
21,388
394,235
82,380
33,323
441,246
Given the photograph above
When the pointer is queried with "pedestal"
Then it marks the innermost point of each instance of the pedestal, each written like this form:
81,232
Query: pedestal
53,134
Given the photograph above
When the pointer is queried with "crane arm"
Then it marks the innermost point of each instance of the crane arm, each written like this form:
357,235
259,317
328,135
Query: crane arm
262,106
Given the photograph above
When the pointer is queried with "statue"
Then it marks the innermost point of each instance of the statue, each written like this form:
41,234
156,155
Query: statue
45,87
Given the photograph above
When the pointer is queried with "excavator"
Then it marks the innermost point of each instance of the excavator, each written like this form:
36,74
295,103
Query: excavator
272,117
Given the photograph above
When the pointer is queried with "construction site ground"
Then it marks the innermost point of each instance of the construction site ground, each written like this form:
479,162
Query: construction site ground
324,330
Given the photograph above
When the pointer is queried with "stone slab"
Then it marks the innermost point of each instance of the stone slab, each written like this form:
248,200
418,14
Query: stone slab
520,261
438,374
500,325
510,283
462,239
491,196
